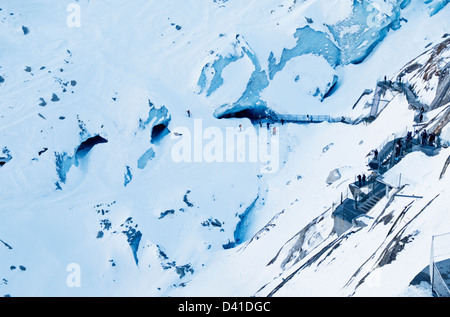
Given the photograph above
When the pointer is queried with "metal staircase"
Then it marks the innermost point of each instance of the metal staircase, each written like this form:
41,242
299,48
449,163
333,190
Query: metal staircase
375,196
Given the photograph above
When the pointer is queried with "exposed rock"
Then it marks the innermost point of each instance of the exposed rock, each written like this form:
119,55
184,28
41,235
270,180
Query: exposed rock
5,156
185,199
429,75
128,176
54,98
333,176
395,247
147,156
167,212
42,103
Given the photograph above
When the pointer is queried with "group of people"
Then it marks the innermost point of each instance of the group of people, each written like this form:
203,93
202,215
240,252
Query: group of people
427,139
362,180
424,139
274,129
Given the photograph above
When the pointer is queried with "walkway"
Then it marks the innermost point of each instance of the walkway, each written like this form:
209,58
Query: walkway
376,102
260,116
406,89
365,196
395,150
440,265
396,86
292,118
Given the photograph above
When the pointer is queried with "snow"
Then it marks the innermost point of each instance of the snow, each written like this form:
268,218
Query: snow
303,82
445,135
132,220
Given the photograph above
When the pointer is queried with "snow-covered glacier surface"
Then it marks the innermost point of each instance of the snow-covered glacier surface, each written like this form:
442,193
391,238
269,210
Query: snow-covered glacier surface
131,163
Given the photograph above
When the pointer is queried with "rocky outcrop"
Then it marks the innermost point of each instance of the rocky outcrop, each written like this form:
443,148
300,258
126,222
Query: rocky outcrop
429,75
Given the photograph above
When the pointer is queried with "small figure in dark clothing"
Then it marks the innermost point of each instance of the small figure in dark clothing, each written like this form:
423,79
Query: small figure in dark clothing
268,125
282,121
189,113
397,150
424,136
409,136
431,139
359,180
421,118
364,180
409,139
375,154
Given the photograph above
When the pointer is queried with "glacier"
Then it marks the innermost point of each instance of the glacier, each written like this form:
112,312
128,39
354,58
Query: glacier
95,97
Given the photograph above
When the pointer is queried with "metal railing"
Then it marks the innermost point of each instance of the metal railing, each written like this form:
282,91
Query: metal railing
440,253
335,204
302,118
405,88
388,156
308,118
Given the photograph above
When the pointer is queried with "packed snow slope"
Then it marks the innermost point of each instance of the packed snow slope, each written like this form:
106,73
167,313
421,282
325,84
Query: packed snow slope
109,187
